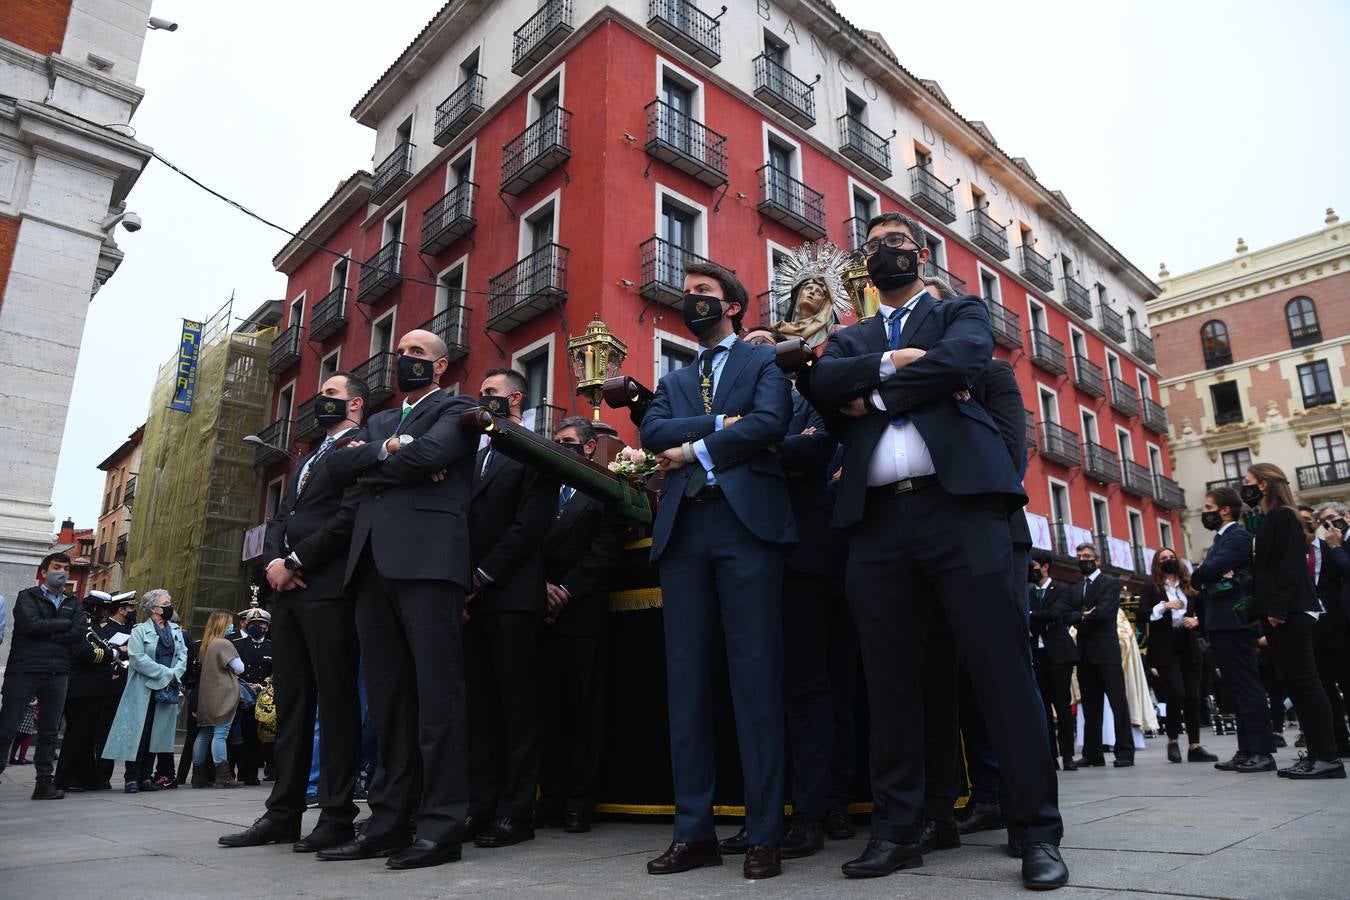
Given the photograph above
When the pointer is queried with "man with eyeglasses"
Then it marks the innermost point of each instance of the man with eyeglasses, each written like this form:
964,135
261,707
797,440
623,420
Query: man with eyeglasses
1330,566
926,491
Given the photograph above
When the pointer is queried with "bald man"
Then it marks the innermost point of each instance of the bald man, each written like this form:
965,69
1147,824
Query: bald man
409,568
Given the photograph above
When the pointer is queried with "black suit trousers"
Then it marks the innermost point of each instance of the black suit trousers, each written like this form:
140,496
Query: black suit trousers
912,554
572,705
315,669
845,670
412,652
1329,648
1056,694
88,720
1095,682
501,656
1293,646
1235,652
1179,682
808,701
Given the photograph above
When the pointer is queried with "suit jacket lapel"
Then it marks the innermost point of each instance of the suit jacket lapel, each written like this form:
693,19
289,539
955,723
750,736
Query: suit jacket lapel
421,409
874,333
915,319
686,380
480,481
737,357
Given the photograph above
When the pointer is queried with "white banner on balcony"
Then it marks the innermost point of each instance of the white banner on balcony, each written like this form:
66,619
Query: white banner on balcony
1076,536
1122,557
254,539
1040,531
1149,553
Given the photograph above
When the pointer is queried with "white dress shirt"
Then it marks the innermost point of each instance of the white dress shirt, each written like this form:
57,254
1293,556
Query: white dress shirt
719,362
407,411
1172,588
900,452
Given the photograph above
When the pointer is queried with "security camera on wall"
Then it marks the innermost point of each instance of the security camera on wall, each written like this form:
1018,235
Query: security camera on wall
158,24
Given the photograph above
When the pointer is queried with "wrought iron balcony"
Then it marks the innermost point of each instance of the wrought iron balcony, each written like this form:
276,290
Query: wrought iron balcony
452,326
1036,269
1100,463
1059,445
1089,377
932,193
780,90
679,139
1320,398
785,199
392,173
1103,544
663,270
1059,536
1007,326
1305,335
933,270
687,27
458,111
1143,346
1032,440
378,374
864,146
449,218
330,315
536,283
536,151
285,350
1329,474
121,548
1124,399
1138,479
988,234
1113,323
307,430
1077,300
1155,417
764,303
275,440
1230,416
1047,352
1167,493
857,232
540,35
129,491
381,273
1217,357
1234,483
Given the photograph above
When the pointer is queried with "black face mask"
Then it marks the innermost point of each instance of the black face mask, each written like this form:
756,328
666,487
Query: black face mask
167,613
495,404
1211,520
578,449
1087,566
701,313
1170,566
1033,576
255,630
1252,494
893,269
330,411
414,373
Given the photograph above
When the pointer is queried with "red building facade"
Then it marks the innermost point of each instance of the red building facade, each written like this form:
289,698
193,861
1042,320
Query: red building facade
505,210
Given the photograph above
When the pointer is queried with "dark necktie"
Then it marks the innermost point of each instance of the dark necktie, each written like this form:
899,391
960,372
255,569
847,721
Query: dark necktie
565,497
705,382
895,324
487,461
309,466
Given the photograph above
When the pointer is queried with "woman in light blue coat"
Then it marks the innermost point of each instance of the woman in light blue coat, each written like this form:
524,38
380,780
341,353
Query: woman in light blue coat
143,726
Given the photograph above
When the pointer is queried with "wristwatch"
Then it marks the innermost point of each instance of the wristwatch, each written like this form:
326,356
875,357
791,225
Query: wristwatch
404,440
291,564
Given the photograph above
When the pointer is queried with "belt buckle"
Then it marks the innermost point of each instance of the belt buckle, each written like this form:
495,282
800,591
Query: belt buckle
904,486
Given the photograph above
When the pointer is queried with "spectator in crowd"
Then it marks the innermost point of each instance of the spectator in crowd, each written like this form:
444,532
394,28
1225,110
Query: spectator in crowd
1329,634
23,740
1053,653
97,677
1100,674
217,700
1172,630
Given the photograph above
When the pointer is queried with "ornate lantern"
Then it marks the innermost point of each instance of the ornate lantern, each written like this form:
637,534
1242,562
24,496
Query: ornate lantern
595,356
865,297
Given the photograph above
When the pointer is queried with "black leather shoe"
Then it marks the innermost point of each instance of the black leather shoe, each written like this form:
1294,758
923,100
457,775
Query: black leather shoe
1014,848
324,836
1086,763
838,826
684,857
1173,753
1280,742
882,857
1231,765
1200,754
422,853
45,790
264,831
505,832
1257,762
983,817
473,826
546,819
938,836
1070,765
1043,868
365,847
1343,751
803,837
735,845
1123,762
70,788
576,823
1314,768
762,862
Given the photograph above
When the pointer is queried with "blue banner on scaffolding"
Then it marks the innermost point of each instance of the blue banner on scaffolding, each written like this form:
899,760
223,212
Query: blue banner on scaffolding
185,385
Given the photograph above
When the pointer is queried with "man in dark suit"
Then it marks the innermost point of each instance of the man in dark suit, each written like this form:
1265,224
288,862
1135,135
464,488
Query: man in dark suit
1097,597
583,546
255,651
1329,645
512,508
409,567
718,541
927,489
1053,652
97,675
1233,642
313,635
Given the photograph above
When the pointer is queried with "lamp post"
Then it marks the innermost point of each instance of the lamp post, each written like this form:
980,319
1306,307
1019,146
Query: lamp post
595,356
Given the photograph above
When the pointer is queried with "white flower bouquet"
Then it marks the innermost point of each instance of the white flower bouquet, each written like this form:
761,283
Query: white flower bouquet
634,463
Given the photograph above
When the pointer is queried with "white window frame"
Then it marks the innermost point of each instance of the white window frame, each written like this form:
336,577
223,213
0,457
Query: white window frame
471,150
288,386
351,264
980,271
1072,352
1124,438
854,187
1110,356
1093,497
932,235
545,344
269,510
783,138
1133,515
1041,392
1151,448
701,231
1096,425
1032,303
393,333
402,212
462,264
336,356
1166,542
664,67
295,312
453,389
660,337
1145,384
1051,484
522,248
560,74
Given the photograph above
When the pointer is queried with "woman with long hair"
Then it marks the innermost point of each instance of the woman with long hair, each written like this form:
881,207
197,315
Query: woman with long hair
217,700
1171,627
1284,597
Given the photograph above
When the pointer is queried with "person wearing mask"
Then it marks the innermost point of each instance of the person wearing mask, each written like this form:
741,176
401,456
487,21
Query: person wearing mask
409,567
1224,581
1171,630
1329,644
313,635
147,714
1283,594
194,669
48,625
927,488
1100,674
97,677
217,701
721,530
1053,651
255,649
512,508
582,549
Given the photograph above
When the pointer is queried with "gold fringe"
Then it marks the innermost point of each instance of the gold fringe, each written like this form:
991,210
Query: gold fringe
658,809
638,544
635,600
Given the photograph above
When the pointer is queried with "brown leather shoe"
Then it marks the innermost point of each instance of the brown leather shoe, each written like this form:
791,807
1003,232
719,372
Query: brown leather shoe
763,862
683,857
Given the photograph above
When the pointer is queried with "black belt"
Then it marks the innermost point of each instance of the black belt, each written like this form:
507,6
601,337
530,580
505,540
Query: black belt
905,485
710,492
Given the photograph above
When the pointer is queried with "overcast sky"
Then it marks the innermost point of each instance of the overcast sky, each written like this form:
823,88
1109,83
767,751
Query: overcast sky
1172,127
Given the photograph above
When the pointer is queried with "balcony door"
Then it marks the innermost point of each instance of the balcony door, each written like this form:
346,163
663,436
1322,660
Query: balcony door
1332,460
675,129
540,236
678,232
780,177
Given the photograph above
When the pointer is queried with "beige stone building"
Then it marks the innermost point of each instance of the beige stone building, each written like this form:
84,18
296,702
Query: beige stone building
114,521
1253,357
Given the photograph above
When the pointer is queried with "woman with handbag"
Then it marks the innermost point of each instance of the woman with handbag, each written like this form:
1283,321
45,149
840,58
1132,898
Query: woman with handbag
218,688
148,711
1284,596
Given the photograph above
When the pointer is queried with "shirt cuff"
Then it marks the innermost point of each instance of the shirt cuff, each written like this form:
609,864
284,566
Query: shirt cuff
296,559
887,366
384,451
877,401
701,451
720,417
483,575
1159,610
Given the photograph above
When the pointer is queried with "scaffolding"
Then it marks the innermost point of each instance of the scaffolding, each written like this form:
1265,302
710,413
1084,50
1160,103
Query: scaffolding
197,491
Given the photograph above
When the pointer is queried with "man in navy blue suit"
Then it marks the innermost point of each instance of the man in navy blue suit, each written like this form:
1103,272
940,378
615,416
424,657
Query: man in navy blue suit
718,540
926,491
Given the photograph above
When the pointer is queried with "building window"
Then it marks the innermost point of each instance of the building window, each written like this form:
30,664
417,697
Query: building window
1301,315
1126,446
1227,404
1101,517
1315,380
1089,427
989,286
327,366
1155,460
1037,317
297,311
673,358
273,499
977,198
1165,535
382,335
1049,406
393,227
923,158
285,402
1214,344
1059,502
1329,448
1144,390
857,109
1236,463
461,170
339,274
1136,528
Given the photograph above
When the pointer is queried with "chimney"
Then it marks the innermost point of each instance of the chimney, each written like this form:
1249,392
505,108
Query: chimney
67,535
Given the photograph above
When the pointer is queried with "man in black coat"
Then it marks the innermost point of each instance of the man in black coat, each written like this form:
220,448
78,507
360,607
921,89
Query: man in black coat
583,547
312,636
97,676
512,509
1097,598
1329,644
1053,652
409,566
255,651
